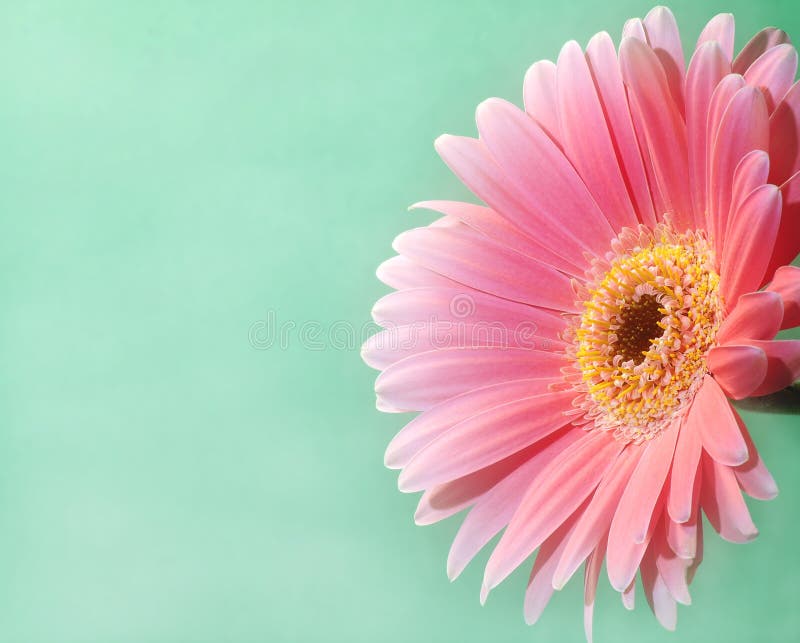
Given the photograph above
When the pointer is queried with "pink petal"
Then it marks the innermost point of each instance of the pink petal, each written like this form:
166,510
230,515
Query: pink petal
784,139
685,472
543,174
394,344
491,224
460,254
719,430
752,233
638,509
721,29
565,484
773,73
469,159
758,44
586,139
602,58
783,364
657,593
628,596
786,283
540,587
751,172
671,568
634,514
634,28
595,521
723,503
485,438
787,243
707,68
725,90
429,425
424,380
432,305
494,510
738,369
400,272
665,39
444,500
682,536
539,95
757,315
744,127
593,566
662,125
753,476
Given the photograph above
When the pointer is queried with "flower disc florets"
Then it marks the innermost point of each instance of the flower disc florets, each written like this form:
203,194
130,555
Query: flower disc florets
651,311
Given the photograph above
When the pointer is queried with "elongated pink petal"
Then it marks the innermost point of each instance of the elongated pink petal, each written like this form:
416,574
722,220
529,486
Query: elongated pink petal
539,95
658,597
491,224
783,364
763,41
427,426
602,58
421,381
635,511
671,567
595,521
628,596
757,315
567,481
707,68
773,73
753,476
469,159
634,28
543,174
662,125
485,438
586,139
787,242
684,475
719,430
751,172
723,93
738,369
432,305
720,29
448,498
540,587
456,252
665,39
495,509
682,536
723,503
744,127
784,138
786,283
592,574
753,230
400,272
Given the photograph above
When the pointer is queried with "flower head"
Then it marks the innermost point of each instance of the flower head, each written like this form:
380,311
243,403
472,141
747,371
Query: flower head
573,344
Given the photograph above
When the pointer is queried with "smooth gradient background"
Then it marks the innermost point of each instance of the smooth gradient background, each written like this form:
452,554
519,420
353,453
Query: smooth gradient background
177,180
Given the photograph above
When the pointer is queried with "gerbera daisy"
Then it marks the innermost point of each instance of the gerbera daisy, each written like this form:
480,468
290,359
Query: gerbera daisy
573,344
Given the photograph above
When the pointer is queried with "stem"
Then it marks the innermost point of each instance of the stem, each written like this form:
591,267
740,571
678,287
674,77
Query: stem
786,402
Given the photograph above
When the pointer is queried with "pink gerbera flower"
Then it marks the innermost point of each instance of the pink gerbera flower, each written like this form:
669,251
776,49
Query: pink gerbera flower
573,344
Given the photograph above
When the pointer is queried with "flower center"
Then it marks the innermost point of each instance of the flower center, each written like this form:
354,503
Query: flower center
651,311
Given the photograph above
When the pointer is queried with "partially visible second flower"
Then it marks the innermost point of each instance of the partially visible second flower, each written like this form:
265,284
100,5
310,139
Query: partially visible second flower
632,254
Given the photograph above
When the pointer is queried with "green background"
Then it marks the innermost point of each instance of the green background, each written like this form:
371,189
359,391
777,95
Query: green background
174,175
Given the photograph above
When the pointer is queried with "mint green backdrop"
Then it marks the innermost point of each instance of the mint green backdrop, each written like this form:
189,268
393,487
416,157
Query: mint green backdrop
176,179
